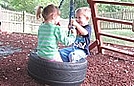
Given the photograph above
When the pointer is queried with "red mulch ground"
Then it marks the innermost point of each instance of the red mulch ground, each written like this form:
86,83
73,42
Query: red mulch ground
111,69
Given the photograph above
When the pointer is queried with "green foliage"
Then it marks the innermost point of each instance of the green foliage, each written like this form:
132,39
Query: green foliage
113,8
65,8
25,5
29,5
108,8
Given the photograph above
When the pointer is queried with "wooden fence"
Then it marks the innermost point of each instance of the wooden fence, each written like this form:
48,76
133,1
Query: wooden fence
122,15
12,21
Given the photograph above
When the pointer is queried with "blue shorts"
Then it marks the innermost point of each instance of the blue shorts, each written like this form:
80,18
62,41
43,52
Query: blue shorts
72,54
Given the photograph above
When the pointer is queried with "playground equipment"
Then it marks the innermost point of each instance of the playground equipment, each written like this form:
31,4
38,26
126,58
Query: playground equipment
72,74
98,33
57,73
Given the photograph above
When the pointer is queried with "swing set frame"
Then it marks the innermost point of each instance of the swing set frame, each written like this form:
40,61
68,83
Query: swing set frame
98,33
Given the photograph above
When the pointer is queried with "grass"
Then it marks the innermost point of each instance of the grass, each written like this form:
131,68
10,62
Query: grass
124,33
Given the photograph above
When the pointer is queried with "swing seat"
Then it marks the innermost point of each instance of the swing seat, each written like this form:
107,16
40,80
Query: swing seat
56,73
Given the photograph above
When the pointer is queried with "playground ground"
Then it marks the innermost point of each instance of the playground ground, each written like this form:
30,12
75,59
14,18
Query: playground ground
110,69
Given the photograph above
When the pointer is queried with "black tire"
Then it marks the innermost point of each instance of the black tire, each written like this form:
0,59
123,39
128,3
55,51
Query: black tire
56,73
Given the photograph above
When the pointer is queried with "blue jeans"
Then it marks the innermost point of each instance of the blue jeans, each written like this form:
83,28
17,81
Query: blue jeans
70,51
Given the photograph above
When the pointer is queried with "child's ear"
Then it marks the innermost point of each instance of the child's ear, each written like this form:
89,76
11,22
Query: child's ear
54,16
88,18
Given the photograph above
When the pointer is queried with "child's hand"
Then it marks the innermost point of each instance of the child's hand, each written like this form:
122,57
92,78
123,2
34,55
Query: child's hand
58,24
74,22
74,31
69,27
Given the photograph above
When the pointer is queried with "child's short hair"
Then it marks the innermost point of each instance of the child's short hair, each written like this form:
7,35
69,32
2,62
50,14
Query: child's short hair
85,11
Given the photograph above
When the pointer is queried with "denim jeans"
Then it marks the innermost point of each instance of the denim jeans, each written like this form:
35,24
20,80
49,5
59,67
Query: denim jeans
70,51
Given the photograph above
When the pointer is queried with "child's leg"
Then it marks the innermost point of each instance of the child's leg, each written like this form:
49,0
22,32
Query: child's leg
57,58
77,55
64,53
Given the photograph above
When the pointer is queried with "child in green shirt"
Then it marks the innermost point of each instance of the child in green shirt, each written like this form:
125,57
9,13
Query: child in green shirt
49,34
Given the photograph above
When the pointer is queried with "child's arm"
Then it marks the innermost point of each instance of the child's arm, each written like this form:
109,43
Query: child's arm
64,38
82,30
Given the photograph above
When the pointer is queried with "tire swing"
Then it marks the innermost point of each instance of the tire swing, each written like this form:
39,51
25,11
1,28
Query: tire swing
57,73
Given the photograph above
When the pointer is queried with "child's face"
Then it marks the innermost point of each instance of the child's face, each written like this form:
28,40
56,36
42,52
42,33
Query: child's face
81,19
57,19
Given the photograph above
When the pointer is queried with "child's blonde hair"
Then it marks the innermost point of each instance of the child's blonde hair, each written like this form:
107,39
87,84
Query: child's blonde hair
38,12
47,11
85,11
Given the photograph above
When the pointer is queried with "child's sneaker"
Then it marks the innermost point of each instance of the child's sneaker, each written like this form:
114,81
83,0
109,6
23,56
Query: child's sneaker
73,57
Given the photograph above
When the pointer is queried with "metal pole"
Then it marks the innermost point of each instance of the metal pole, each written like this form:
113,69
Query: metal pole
61,3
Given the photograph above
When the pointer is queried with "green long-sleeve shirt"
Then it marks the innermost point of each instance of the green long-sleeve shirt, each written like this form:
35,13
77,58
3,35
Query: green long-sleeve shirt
48,37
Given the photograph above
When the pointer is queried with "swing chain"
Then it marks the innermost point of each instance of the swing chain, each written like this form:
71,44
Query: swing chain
61,3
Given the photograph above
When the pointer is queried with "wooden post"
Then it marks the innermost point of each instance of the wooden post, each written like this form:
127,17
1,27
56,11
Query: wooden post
0,18
133,26
24,20
96,24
